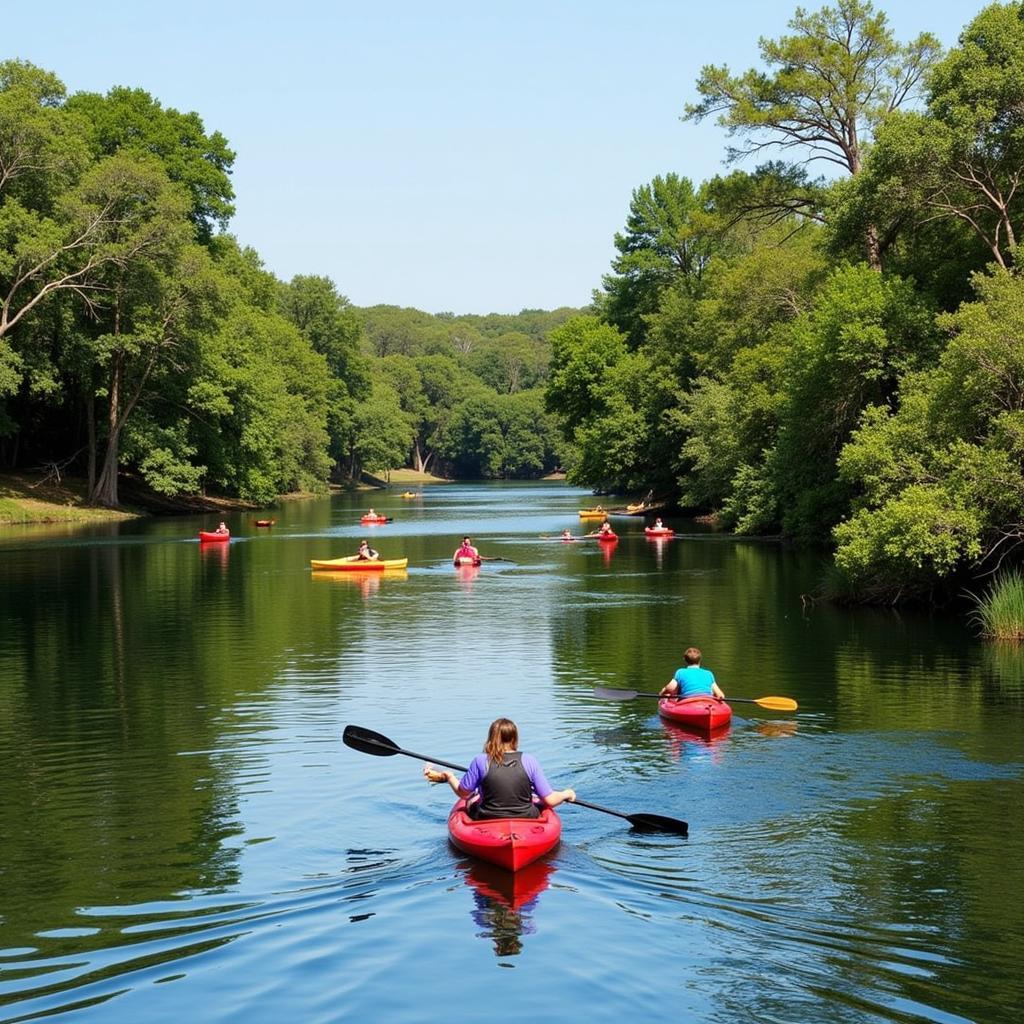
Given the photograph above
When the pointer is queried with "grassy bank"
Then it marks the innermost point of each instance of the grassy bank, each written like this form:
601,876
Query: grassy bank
412,476
24,500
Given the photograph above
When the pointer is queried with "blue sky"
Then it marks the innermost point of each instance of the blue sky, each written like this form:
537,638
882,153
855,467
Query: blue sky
454,156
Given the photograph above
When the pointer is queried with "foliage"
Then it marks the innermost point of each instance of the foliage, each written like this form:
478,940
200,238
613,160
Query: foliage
940,476
582,351
500,436
132,121
670,236
829,85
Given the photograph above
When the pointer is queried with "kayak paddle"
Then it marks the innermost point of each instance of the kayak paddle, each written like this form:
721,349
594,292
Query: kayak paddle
370,742
772,703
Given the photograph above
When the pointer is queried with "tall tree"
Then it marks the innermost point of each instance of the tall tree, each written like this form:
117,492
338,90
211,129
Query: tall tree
131,119
670,235
829,84
963,160
154,288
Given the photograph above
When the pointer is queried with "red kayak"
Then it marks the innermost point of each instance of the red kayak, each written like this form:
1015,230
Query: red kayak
373,519
658,531
265,522
460,563
209,537
704,714
511,843
607,538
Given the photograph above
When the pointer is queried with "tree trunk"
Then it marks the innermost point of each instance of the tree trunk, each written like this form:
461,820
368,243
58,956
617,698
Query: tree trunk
105,492
90,420
874,248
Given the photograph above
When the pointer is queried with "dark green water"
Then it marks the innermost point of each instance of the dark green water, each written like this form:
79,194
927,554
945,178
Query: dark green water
183,836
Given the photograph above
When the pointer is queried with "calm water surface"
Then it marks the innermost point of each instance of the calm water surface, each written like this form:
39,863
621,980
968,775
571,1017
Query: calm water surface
183,836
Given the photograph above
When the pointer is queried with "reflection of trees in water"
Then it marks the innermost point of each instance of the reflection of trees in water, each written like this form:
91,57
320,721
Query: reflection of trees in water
505,902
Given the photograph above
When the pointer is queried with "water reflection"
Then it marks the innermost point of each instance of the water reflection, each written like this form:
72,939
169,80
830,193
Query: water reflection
505,901
687,744
787,728
214,553
367,582
659,549
608,549
467,574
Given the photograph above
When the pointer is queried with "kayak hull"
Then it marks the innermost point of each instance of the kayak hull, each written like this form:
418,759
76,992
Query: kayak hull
373,519
591,514
607,538
207,537
355,564
265,522
704,714
653,531
461,562
511,843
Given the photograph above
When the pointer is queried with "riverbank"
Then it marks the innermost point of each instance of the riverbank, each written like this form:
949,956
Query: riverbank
25,501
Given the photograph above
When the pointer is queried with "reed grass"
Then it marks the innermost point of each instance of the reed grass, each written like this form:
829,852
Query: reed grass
999,612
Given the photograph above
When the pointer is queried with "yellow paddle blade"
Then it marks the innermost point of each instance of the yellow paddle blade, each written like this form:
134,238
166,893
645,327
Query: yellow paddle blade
776,703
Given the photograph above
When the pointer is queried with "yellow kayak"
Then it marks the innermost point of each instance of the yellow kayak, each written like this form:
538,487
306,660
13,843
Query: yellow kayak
357,564
410,494
593,513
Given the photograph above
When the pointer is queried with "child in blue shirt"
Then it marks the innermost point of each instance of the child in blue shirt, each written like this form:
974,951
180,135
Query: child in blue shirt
692,680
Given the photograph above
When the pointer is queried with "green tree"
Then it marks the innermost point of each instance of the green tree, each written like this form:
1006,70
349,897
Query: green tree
963,159
582,351
500,436
332,327
130,120
863,334
940,477
670,236
383,431
829,85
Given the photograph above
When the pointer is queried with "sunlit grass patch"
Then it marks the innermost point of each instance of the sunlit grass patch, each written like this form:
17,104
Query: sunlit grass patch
999,612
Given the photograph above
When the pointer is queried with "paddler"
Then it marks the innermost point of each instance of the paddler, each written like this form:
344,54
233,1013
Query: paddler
466,553
692,680
503,778
366,553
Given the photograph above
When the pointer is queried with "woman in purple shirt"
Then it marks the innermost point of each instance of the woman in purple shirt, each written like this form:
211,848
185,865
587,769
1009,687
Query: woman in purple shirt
504,778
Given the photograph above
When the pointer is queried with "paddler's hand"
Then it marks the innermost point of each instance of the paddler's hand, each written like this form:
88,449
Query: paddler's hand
570,795
433,776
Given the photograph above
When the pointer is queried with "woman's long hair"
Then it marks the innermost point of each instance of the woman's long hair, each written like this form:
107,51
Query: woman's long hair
502,737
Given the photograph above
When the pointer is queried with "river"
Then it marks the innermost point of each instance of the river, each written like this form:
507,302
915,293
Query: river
183,835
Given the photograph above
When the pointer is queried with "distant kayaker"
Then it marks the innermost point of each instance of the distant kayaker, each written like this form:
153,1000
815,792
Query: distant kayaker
223,528
503,778
466,553
567,535
371,514
606,528
658,524
366,553
692,680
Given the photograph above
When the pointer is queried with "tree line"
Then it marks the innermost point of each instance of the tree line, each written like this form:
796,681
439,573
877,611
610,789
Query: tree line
139,339
837,359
